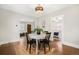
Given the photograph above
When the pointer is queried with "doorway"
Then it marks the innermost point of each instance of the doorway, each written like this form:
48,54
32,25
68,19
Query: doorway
29,28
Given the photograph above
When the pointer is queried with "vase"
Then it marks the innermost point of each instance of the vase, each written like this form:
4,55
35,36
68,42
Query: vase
38,33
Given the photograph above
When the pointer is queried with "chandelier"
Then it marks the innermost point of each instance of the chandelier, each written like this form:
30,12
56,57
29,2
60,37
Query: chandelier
39,8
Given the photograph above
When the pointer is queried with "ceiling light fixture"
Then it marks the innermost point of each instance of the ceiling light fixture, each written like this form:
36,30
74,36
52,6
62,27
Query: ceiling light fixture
39,8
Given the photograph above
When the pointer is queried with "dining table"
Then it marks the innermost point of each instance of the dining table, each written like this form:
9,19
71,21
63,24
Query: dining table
37,37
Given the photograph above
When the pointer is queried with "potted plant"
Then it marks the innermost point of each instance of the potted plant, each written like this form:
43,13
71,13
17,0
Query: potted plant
38,30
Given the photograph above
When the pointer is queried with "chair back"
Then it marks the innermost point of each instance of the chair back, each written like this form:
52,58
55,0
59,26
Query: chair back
45,31
48,36
27,37
56,34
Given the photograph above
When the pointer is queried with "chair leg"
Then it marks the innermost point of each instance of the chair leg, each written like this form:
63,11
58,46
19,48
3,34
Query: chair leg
30,49
44,49
49,47
39,46
27,46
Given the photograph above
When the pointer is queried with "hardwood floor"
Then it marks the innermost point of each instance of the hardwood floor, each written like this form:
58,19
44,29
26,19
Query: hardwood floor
19,48
70,50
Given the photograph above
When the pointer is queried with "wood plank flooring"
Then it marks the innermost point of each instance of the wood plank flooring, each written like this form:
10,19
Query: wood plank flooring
19,48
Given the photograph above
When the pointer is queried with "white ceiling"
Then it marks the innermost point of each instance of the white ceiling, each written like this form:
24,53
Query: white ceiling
29,9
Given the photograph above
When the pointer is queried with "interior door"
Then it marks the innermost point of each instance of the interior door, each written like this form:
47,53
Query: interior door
29,28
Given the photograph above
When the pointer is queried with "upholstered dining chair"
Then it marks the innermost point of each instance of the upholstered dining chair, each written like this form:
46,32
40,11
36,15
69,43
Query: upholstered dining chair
56,34
46,42
29,42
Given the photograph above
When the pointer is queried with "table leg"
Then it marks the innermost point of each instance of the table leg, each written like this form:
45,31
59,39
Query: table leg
36,46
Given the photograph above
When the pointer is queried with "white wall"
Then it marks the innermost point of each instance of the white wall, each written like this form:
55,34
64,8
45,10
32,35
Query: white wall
43,21
23,26
71,26
70,35
52,24
9,32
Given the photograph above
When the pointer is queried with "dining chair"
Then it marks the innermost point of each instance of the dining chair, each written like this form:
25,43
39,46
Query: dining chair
46,42
29,42
56,35
22,34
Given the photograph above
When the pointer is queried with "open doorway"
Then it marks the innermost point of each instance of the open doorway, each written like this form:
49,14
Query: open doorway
26,27
29,29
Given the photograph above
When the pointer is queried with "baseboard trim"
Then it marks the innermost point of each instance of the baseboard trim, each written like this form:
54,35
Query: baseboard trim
1,43
71,44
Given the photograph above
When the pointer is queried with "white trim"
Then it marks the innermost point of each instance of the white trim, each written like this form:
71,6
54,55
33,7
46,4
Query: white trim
71,44
9,41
